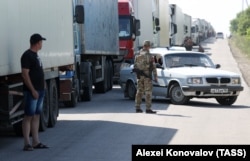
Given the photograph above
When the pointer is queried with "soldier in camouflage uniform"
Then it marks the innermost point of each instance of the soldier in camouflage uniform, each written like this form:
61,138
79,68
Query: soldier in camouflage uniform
144,62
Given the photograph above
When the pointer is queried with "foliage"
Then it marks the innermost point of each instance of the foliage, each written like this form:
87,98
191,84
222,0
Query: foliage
248,34
241,42
240,29
241,23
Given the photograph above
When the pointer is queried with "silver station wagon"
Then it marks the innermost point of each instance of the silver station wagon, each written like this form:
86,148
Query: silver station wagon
183,75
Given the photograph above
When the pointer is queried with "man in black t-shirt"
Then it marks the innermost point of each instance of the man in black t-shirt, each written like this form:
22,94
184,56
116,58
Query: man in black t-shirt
33,89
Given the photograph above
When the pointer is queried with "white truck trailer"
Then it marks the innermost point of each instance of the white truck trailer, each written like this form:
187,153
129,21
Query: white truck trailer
154,22
195,31
178,19
187,25
82,38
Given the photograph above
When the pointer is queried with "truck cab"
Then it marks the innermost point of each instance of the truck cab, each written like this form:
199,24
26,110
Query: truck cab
128,29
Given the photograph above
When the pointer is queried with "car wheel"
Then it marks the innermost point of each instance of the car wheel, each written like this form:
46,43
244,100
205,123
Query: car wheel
176,95
131,90
226,100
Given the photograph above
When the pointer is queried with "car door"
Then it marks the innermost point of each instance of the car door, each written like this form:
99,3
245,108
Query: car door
160,87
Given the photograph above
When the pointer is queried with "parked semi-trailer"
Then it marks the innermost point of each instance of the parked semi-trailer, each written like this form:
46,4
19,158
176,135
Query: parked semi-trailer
141,20
179,20
82,39
187,25
155,23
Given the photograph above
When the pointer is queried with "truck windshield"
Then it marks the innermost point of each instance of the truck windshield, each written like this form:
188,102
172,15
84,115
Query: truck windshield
124,27
193,29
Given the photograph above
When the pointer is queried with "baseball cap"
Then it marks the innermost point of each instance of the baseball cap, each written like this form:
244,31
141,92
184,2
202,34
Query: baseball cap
35,38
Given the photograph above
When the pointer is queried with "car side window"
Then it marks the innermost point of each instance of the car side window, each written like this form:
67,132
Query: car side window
206,62
168,61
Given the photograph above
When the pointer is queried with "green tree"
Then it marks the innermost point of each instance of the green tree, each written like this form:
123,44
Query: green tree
234,25
241,23
248,33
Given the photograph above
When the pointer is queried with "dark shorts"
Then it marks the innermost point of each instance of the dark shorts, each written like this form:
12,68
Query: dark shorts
33,106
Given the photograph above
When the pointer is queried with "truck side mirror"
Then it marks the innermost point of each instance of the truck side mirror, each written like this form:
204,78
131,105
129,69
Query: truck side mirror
137,27
79,14
157,22
158,28
186,29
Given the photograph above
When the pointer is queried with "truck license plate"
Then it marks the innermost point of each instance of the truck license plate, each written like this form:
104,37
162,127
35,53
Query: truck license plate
219,90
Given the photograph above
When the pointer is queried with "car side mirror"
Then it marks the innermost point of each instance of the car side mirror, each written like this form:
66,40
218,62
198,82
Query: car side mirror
217,66
159,66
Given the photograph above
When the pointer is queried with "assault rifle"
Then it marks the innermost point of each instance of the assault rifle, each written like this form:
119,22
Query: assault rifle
139,73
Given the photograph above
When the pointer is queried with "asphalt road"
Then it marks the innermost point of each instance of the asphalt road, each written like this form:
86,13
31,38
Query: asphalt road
106,128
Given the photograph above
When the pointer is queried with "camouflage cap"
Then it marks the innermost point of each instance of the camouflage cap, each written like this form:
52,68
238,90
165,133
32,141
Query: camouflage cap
146,43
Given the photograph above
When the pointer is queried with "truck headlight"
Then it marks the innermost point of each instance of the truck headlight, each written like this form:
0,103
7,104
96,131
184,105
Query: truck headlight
235,81
194,81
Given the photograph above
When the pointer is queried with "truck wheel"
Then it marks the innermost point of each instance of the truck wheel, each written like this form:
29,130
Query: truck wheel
226,100
53,103
88,91
102,86
176,95
131,89
44,117
110,71
108,75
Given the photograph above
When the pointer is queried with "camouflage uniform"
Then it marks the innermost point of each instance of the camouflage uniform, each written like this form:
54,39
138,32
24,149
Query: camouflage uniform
144,62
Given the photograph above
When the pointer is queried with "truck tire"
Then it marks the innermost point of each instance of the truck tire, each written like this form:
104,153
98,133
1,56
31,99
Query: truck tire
88,90
44,117
111,74
108,75
102,86
53,103
226,100
176,95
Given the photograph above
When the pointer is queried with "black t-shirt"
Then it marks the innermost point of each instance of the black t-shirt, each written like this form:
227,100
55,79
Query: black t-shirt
30,60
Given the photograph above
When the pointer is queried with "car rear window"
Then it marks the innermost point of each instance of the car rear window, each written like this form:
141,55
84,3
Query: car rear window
219,33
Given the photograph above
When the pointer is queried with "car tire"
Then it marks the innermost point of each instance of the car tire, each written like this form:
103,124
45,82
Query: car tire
176,95
226,100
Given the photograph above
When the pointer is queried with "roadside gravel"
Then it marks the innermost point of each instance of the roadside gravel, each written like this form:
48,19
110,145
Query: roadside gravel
243,62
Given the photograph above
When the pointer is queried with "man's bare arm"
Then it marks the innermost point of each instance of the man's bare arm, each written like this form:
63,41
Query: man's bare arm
27,81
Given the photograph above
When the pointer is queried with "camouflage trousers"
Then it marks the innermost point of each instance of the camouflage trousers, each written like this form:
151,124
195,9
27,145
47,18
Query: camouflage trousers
144,86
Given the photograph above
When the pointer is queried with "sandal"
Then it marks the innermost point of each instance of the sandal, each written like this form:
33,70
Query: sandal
40,146
28,147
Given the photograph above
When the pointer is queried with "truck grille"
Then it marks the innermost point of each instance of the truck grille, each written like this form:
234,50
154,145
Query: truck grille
218,80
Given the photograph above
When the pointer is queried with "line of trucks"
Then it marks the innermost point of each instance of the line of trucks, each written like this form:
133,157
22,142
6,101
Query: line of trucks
87,41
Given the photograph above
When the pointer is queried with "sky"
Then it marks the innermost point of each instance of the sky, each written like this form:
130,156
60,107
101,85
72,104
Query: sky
218,12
